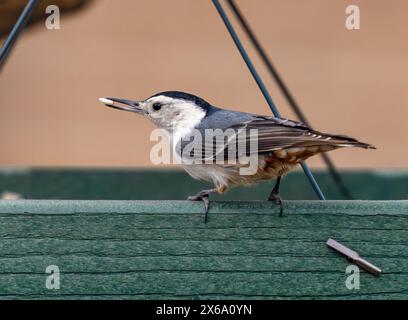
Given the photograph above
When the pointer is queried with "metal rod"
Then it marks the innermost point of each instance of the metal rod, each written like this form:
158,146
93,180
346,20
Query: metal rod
338,180
353,257
13,36
261,86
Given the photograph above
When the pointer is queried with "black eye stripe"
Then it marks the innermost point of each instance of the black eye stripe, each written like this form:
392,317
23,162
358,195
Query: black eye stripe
157,106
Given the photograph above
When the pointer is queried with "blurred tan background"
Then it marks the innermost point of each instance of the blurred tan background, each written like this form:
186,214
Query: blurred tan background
349,82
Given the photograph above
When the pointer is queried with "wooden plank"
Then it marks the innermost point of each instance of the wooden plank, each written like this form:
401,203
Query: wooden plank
148,184
163,249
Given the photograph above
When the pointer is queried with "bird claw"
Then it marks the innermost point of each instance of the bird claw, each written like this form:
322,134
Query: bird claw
278,200
206,201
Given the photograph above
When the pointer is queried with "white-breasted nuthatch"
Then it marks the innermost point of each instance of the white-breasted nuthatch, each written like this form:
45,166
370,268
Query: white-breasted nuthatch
281,143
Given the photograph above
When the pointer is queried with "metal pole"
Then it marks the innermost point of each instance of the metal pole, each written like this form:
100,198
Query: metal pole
12,37
261,86
338,180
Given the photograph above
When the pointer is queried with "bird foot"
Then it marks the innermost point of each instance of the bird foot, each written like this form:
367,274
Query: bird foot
275,197
202,196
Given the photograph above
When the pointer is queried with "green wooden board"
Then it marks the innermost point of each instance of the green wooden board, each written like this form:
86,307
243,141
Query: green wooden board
162,249
139,184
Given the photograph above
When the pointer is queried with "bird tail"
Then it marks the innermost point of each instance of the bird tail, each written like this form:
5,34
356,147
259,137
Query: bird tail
345,141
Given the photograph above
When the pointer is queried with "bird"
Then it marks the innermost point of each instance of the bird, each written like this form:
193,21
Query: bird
281,144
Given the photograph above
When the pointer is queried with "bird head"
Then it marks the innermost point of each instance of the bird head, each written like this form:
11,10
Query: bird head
170,110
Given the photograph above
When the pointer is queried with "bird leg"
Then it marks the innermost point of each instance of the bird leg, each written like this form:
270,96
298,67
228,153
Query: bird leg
203,196
274,196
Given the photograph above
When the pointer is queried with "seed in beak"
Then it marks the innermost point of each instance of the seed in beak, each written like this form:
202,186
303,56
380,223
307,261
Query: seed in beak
106,101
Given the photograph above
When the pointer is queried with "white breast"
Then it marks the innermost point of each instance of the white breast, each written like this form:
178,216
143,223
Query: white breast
189,118
219,175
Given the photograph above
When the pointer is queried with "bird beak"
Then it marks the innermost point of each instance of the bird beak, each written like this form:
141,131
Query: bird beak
121,104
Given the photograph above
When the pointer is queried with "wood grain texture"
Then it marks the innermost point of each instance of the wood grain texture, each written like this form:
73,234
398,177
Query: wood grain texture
163,249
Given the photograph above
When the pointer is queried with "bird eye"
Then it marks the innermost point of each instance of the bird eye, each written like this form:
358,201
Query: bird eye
157,106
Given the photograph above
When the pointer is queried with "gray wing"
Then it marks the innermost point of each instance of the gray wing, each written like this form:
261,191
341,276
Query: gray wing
277,134
244,134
